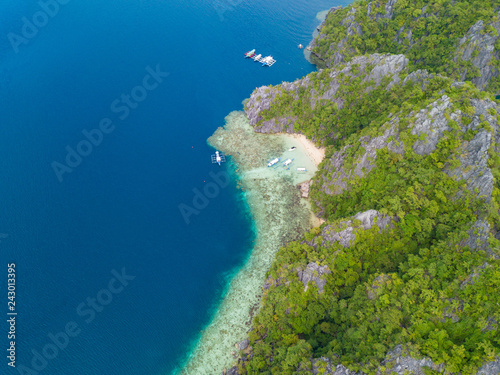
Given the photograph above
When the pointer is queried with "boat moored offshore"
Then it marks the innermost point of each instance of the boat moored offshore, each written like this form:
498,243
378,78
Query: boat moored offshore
273,162
218,158
250,53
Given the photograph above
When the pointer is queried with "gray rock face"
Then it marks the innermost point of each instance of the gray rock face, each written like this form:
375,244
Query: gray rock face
244,344
374,68
324,366
474,156
473,168
313,273
491,368
231,371
396,362
340,176
352,29
342,233
478,238
431,122
261,99
345,233
478,47
389,9
400,363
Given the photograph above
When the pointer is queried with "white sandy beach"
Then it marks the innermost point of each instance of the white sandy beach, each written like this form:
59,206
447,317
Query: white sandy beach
317,154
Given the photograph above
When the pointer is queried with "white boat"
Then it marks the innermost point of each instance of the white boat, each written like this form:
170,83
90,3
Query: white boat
293,148
218,158
268,60
273,162
257,58
287,162
301,170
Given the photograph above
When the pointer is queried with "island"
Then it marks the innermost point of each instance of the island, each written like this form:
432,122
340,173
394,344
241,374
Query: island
401,272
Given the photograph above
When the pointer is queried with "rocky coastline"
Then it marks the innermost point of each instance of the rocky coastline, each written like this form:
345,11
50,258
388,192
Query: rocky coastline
280,214
431,122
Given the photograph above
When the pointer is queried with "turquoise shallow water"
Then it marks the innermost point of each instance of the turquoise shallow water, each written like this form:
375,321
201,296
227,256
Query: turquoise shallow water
119,206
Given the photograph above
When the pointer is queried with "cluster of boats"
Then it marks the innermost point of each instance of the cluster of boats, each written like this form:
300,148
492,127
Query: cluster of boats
268,60
286,164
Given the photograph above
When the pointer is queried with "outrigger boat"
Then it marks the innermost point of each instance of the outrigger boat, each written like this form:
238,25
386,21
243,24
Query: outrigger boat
287,162
268,60
273,162
265,60
218,158
250,53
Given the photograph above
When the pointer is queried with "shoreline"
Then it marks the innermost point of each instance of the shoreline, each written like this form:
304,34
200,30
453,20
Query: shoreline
321,17
314,152
279,214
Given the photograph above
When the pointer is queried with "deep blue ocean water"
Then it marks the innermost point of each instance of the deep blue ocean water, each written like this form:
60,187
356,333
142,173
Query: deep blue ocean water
119,208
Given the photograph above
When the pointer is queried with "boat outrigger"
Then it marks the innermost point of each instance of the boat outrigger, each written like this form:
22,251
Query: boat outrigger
287,163
268,60
273,162
250,53
218,158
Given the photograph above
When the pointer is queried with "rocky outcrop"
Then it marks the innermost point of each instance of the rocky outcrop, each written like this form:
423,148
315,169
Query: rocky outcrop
340,49
476,52
429,125
370,69
244,344
342,173
345,232
397,362
304,188
231,371
478,48
491,368
314,273
351,28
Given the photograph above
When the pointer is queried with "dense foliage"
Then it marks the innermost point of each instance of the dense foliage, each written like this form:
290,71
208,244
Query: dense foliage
419,282
426,31
422,299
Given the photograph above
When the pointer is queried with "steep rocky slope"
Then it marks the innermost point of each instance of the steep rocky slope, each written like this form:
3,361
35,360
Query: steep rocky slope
403,276
459,38
411,172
